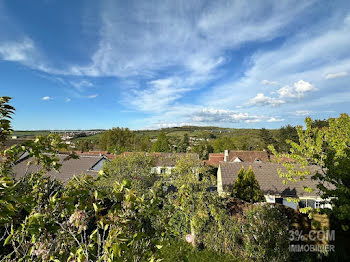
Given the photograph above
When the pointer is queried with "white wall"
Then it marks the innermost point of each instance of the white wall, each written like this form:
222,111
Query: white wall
270,199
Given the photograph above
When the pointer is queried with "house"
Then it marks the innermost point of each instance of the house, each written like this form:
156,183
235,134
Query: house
96,153
85,164
270,183
165,162
214,159
238,156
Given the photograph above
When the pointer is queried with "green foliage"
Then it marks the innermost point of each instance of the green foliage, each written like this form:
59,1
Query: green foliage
329,149
84,145
223,143
162,144
141,218
267,138
285,133
184,144
266,234
223,235
84,222
247,187
319,123
119,140
178,250
135,167
203,149
6,111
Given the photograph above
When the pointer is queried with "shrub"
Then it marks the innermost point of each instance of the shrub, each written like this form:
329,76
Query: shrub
266,234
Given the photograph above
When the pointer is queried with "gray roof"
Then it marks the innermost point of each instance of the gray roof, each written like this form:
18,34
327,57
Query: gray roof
72,167
268,178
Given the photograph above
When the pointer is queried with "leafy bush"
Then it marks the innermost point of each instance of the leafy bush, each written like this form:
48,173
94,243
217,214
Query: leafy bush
179,250
82,222
265,233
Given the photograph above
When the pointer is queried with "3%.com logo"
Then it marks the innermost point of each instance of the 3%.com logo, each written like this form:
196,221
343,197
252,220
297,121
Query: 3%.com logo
312,235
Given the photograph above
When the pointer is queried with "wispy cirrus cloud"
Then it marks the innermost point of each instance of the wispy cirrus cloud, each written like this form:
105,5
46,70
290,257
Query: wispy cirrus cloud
302,112
80,85
177,56
17,51
267,82
336,75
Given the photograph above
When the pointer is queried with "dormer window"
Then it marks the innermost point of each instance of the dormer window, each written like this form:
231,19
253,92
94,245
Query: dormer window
257,160
237,160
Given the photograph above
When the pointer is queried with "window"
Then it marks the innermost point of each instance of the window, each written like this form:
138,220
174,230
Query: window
302,203
317,204
279,200
309,203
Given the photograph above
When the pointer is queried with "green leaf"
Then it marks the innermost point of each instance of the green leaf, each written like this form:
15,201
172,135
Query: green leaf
8,239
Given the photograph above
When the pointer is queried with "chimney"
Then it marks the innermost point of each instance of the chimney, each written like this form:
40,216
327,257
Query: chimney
226,155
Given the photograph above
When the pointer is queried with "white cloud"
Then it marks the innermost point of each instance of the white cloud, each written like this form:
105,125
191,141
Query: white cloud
195,37
160,94
299,90
93,96
210,115
267,82
302,112
46,98
261,100
287,91
302,87
273,119
68,99
336,75
17,51
80,85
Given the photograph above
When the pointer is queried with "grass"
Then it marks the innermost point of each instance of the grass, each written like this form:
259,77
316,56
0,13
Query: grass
30,134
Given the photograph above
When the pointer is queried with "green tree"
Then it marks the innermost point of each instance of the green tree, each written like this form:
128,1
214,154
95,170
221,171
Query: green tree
247,186
223,143
162,144
267,138
135,167
6,111
184,144
203,149
84,145
285,133
329,149
143,143
319,123
118,140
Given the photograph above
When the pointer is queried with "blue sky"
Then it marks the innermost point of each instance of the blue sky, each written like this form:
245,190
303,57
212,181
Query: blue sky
151,64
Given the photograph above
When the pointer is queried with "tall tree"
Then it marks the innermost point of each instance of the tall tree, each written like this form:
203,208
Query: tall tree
184,144
285,133
267,138
329,149
6,111
162,144
118,140
319,123
247,186
203,149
